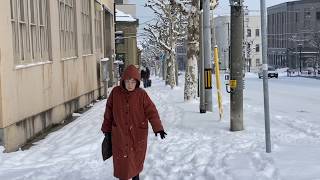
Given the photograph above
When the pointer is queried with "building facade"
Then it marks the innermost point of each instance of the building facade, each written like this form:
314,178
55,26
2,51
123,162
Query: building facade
126,41
252,41
292,27
50,62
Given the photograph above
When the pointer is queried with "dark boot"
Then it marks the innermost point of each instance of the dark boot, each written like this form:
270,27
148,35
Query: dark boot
136,177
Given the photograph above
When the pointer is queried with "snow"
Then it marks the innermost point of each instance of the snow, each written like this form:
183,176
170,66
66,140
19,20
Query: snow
121,16
198,146
32,64
76,114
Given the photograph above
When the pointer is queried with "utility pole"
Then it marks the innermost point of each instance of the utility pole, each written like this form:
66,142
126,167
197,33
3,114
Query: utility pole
228,60
207,54
265,73
300,49
201,66
236,71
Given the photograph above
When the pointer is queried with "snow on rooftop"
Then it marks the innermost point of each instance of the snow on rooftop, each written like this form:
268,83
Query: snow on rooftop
121,16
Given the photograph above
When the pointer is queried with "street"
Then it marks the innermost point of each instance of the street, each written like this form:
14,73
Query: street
198,146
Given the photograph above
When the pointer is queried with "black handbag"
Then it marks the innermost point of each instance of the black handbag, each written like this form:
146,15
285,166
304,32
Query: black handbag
106,147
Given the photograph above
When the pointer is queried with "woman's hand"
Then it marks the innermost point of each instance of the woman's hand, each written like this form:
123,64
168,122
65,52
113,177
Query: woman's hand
162,134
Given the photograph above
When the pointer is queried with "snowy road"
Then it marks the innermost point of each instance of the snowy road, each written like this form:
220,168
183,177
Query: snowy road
198,146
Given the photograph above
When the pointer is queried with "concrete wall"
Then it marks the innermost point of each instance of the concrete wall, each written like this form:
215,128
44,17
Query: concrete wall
35,97
109,48
1,114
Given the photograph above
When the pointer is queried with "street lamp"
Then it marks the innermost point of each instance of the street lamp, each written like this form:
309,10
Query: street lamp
300,49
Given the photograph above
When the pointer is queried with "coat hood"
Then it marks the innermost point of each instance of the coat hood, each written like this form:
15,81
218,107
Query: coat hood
131,72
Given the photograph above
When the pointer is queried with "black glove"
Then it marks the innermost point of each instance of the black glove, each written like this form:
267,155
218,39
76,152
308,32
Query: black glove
108,135
162,134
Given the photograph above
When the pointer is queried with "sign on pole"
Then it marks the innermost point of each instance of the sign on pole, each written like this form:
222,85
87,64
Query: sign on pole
208,78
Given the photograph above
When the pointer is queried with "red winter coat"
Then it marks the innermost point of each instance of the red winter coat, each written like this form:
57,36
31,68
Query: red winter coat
126,116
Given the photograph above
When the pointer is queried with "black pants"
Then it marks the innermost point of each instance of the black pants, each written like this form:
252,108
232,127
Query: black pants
136,177
145,83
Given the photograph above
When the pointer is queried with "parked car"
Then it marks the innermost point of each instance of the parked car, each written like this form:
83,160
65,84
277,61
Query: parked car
271,72
309,70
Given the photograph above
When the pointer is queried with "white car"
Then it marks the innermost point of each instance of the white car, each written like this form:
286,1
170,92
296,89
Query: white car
271,73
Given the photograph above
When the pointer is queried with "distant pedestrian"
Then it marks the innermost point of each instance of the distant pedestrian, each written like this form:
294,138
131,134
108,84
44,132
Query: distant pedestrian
288,72
126,117
144,77
143,74
147,73
148,80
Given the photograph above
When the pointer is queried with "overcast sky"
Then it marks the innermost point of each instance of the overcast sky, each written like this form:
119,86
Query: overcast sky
145,14
223,8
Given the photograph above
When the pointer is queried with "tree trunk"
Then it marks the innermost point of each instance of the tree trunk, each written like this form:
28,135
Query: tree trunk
171,71
191,74
177,71
167,70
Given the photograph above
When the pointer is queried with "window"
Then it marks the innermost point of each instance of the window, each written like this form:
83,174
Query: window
67,26
257,48
33,29
307,13
44,48
257,62
307,18
98,25
257,32
86,26
248,32
318,15
29,20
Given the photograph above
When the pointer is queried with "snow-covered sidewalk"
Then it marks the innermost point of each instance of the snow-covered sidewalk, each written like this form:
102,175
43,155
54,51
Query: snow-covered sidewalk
198,146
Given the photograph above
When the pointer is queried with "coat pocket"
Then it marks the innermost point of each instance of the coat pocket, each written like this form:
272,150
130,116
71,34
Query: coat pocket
143,125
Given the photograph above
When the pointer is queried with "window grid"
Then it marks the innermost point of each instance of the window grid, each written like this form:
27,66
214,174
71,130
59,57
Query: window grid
257,62
67,18
257,32
248,32
257,48
28,46
86,26
98,26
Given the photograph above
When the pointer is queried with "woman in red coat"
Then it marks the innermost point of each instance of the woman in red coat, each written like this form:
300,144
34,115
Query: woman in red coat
126,117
